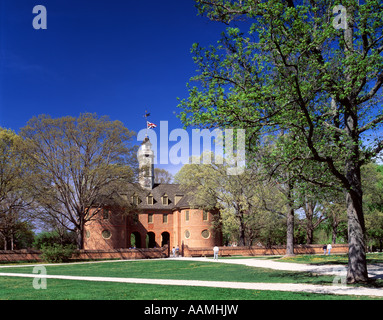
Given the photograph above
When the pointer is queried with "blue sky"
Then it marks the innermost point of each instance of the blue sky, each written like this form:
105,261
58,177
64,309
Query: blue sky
115,57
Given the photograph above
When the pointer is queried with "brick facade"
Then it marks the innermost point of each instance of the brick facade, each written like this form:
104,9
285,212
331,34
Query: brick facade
153,229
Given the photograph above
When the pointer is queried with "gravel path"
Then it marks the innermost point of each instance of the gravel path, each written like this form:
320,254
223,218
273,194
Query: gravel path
375,271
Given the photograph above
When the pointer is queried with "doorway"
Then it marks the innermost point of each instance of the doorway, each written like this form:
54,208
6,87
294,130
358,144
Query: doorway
150,240
135,240
165,236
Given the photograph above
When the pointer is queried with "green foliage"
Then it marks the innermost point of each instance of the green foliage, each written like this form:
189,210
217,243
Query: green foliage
21,234
252,209
290,71
52,238
57,253
15,192
373,203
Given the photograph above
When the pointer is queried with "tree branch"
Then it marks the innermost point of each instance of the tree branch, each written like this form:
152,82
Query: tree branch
373,91
372,123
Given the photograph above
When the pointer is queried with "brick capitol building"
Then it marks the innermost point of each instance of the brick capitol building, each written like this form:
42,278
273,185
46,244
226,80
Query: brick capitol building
163,216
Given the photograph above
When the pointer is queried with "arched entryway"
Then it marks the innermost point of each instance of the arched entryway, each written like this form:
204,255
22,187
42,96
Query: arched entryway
150,240
135,239
165,238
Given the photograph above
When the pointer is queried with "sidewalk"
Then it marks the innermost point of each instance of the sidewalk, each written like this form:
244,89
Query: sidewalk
375,271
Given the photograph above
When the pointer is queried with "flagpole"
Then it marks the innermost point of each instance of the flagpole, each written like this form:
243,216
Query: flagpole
146,120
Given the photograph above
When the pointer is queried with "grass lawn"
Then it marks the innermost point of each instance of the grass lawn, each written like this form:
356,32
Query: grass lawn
21,288
185,270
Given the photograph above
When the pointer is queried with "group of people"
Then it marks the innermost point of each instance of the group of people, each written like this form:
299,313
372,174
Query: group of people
176,252
327,247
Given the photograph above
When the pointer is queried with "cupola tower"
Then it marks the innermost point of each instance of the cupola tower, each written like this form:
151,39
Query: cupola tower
146,164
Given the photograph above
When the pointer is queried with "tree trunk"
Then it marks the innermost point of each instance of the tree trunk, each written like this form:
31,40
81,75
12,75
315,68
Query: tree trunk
80,239
5,242
242,237
357,266
309,211
290,223
334,233
12,240
290,233
309,236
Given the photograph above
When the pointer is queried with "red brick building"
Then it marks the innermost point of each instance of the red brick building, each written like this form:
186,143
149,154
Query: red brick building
163,215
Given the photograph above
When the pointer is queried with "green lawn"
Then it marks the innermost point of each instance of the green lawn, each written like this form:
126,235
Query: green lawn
185,270
21,288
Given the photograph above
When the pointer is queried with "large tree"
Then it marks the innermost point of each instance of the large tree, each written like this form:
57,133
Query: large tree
15,197
246,201
372,180
302,70
80,165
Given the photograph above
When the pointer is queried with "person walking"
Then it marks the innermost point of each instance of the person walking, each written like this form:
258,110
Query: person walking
215,251
177,251
329,247
324,249
174,252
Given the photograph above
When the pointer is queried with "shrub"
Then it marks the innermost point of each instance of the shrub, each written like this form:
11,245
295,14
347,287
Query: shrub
57,253
52,237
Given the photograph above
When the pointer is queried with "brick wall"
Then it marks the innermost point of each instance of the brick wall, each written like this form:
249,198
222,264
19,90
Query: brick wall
19,255
123,254
34,255
258,251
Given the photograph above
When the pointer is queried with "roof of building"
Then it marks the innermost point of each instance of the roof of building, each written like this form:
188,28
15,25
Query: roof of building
158,191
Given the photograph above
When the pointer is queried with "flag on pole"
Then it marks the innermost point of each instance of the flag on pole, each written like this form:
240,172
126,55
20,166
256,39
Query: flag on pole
150,125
